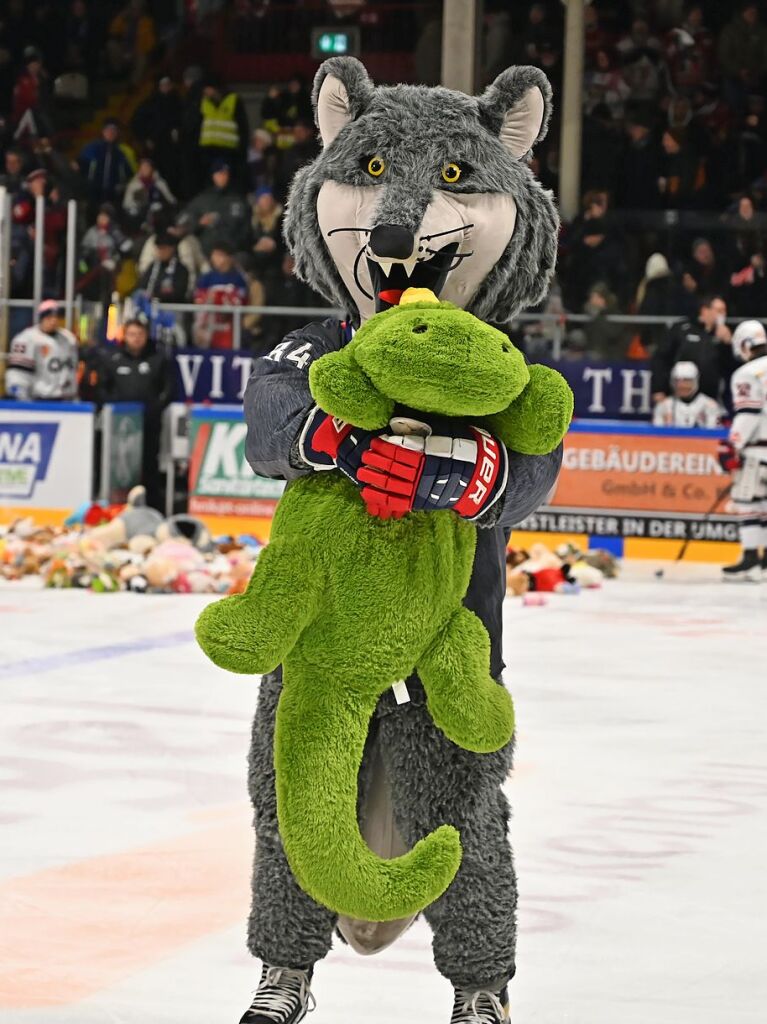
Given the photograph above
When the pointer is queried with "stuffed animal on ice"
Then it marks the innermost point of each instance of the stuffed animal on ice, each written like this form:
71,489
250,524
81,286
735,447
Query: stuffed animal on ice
352,603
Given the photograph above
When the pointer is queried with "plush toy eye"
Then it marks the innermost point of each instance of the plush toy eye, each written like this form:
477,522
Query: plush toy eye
451,173
376,166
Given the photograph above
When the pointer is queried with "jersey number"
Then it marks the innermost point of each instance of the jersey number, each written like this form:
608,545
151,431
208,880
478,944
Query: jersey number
300,356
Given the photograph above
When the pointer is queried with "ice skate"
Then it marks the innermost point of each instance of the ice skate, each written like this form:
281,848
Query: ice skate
282,997
480,1006
748,570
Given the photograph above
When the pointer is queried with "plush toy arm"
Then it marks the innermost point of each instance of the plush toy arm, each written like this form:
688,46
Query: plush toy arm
342,389
466,703
253,632
538,419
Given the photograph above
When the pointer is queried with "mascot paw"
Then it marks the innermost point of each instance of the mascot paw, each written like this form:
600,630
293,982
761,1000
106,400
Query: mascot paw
536,422
229,634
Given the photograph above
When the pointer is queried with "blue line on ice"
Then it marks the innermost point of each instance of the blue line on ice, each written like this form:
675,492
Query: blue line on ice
86,655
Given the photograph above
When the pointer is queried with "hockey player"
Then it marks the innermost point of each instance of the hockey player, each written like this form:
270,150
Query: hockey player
747,449
42,364
687,406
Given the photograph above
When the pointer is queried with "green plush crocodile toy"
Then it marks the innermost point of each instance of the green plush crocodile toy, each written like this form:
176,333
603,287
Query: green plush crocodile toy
336,581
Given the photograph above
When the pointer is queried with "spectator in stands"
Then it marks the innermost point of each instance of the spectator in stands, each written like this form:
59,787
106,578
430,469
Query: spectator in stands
220,213
294,103
158,126
31,97
223,285
642,57
107,165
80,39
224,132
166,279
743,55
64,171
597,256
140,371
287,290
101,252
132,38
690,52
538,34
305,148
706,341
710,275
659,294
188,248
262,160
682,180
605,340
267,234
606,85
147,196
13,177
640,169
36,185
686,406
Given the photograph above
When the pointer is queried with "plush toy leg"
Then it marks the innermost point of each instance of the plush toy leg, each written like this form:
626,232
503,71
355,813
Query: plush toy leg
319,742
253,632
538,419
467,704
340,387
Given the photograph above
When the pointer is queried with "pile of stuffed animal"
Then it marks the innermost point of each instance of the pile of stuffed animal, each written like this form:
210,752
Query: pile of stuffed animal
130,548
567,570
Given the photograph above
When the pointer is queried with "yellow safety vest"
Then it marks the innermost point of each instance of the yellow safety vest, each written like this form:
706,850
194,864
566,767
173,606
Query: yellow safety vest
219,127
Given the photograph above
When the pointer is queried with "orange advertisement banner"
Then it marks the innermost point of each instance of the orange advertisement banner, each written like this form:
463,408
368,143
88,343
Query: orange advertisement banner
645,472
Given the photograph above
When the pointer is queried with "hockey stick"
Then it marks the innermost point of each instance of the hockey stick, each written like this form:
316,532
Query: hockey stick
721,495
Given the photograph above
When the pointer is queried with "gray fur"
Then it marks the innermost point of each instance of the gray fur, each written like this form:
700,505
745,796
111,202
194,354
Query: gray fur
417,129
433,781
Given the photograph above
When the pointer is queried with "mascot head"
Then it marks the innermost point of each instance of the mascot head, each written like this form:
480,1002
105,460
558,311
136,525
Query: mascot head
427,188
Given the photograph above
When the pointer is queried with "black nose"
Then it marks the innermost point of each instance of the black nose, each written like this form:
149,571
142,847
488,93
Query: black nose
390,241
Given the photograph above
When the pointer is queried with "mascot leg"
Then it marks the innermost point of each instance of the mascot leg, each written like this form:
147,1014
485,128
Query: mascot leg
432,780
286,927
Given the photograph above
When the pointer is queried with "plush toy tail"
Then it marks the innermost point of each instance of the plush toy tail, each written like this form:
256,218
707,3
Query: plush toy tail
319,741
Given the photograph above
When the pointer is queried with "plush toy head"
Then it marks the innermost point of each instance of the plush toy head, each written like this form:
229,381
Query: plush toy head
427,188
435,358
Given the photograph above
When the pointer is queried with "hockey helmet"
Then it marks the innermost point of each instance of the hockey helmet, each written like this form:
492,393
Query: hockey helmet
685,371
747,335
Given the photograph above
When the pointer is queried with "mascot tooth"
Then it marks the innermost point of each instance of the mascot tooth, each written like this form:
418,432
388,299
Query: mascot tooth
413,438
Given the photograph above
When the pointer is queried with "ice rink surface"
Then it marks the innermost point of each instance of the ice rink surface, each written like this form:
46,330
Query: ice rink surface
640,816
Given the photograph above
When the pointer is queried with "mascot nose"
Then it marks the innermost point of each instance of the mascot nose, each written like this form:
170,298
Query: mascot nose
391,242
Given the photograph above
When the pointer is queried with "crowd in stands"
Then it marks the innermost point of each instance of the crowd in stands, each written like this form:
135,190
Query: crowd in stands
674,169
183,204
184,201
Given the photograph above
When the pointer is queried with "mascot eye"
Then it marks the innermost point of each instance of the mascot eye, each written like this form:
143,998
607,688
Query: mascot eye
376,165
451,173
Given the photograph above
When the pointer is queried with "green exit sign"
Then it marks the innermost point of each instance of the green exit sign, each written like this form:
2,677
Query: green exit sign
334,42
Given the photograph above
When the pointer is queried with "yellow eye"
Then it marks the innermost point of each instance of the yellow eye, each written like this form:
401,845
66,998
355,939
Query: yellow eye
451,173
376,166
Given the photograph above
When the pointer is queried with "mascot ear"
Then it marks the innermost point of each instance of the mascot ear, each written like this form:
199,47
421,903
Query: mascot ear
342,91
517,107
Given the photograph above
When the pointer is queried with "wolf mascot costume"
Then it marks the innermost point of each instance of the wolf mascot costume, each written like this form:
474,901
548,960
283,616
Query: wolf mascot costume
429,188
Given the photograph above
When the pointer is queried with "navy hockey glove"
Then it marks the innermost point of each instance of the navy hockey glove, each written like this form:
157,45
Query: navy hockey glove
411,465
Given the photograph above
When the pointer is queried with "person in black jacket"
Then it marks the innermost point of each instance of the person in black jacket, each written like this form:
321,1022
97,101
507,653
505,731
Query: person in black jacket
707,342
166,278
140,371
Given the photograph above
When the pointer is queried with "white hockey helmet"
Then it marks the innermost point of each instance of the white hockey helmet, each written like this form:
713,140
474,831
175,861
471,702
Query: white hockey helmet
747,335
684,371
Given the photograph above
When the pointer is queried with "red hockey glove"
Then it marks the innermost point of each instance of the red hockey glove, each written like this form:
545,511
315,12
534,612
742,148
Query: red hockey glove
454,466
729,459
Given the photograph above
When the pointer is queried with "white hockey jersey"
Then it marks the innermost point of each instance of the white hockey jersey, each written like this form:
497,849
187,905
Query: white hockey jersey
42,366
701,411
748,433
